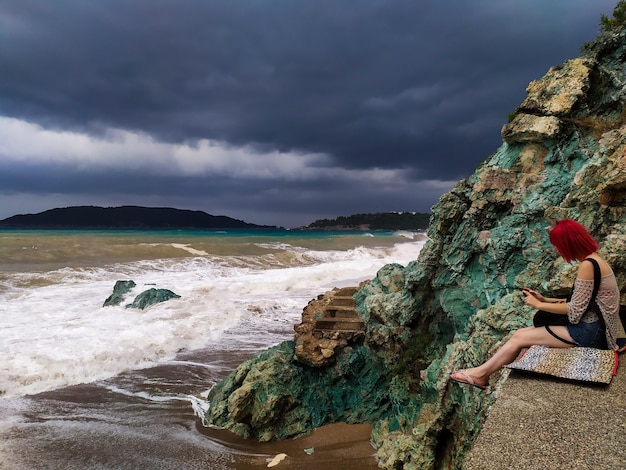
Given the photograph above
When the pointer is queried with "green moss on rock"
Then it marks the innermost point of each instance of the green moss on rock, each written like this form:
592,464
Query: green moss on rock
272,396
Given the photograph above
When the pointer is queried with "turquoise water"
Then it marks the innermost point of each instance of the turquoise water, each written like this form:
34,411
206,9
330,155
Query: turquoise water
47,249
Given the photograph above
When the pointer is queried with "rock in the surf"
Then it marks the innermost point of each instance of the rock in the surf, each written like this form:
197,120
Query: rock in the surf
120,289
151,297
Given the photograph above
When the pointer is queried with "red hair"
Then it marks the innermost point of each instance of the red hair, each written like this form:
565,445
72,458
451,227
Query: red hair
572,241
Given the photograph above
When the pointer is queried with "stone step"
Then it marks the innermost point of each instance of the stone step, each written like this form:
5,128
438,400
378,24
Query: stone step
346,291
347,324
354,319
340,311
343,301
339,330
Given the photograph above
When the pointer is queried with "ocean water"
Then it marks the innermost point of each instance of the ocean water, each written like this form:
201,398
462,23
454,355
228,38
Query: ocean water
87,386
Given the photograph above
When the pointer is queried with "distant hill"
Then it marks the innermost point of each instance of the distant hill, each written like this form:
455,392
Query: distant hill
124,217
377,221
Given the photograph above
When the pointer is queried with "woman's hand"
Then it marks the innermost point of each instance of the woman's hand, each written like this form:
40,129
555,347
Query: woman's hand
532,298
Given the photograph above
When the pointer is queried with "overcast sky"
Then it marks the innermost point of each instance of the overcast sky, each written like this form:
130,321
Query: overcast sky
275,112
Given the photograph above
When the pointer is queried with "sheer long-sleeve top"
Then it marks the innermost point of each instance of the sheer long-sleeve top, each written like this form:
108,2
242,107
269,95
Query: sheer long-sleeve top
607,298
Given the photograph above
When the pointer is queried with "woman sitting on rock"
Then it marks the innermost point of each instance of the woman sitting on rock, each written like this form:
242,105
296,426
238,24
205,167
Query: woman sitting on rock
584,328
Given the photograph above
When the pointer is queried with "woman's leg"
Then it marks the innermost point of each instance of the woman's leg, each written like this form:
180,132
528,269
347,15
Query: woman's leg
521,339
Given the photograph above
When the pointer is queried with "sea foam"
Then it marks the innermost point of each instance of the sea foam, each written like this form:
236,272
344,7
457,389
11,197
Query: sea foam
54,330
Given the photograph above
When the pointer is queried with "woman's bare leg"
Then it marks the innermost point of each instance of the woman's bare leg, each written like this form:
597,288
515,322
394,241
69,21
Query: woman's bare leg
521,339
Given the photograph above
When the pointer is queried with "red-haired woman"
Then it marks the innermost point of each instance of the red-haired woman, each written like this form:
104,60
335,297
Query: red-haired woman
585,328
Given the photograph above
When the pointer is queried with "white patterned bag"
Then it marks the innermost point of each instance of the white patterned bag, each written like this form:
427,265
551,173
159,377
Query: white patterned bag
582,364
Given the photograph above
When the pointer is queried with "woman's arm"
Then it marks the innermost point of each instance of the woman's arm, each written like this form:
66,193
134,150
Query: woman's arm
580,297
541,298
546,304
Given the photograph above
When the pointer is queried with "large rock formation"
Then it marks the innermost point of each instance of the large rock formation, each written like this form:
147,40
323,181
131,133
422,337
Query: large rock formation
564,155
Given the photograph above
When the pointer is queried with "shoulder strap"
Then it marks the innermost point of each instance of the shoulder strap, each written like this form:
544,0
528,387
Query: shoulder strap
597,276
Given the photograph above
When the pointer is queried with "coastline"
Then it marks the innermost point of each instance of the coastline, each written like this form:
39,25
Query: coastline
89,427
88,386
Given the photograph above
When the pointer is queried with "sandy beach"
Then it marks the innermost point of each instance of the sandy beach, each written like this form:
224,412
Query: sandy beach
92,427
330,447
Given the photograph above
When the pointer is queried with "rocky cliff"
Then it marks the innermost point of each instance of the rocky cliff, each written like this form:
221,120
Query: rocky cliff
563,155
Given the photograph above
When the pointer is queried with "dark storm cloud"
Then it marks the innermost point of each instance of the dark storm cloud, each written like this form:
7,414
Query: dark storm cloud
273,111
370,83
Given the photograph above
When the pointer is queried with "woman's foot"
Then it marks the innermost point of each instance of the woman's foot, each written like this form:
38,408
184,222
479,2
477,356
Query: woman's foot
463,376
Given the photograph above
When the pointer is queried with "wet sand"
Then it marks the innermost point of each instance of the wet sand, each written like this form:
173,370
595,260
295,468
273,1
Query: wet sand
145,420
331,447
84,427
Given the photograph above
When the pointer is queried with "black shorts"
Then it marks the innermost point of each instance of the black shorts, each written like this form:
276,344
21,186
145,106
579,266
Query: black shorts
589,335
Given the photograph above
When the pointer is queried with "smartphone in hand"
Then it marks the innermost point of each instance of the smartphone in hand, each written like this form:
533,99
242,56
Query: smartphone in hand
526,291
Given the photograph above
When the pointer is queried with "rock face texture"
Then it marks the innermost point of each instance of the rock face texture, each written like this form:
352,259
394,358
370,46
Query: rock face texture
329,324
563,156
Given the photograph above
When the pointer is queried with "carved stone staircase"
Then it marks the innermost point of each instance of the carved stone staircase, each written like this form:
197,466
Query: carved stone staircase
340,314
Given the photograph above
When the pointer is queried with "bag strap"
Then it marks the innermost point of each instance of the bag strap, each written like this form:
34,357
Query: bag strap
596,286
